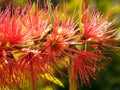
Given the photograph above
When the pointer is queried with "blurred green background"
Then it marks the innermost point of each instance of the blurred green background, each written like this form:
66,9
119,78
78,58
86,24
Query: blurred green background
109,79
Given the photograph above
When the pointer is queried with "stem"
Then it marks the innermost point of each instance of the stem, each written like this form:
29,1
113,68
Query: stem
72,82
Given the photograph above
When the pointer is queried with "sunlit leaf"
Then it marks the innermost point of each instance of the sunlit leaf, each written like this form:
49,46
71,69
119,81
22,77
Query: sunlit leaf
52,79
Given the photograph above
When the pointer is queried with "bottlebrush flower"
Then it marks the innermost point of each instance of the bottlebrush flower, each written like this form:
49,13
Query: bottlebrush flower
87,65
11,76
32,65
95,26
59,42
65,25
36,21
12,31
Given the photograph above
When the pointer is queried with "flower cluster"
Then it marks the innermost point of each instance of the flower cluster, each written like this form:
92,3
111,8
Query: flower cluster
31,45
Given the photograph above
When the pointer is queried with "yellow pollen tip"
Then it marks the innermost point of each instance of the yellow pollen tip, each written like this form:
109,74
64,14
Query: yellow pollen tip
54,43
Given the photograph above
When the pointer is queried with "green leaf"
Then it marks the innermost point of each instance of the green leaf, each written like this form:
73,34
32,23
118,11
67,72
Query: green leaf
51,11
16,55
52,79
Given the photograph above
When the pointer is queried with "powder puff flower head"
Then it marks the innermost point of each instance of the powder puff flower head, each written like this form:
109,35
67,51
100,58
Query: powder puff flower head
95,26
35,41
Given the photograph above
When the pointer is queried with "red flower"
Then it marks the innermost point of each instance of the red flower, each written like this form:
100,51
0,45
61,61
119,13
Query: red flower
65,27
59,39
32,65
36,22
10,75
87,66
12,30
59,42
95,26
